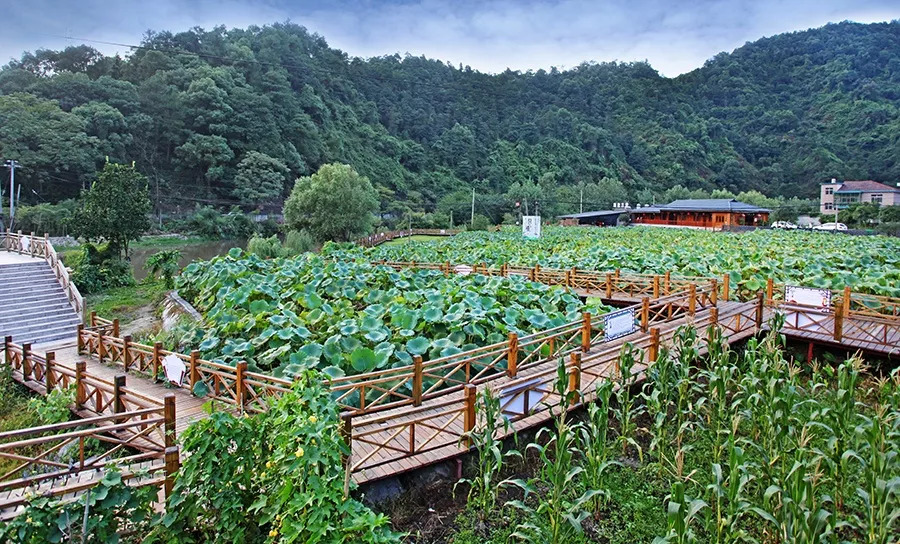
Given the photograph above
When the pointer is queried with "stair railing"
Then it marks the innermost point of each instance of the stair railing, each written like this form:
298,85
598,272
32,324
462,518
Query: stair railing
34,246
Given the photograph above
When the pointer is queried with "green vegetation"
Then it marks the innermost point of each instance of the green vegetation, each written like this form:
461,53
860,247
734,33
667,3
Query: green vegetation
288,315
126,303
271,477
164,265
335,203
745,447
95,269
409,239
233,115
115,208
865,263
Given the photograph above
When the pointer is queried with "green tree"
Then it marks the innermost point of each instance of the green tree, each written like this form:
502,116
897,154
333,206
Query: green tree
164,264
115,209
260,178
335,203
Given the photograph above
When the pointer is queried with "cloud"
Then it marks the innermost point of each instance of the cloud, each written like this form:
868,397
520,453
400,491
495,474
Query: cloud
489,35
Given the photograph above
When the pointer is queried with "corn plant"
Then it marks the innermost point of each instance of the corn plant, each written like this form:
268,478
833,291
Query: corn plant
880,493
558,513
594,442
794,510
727,494
681,511
491,458
625,400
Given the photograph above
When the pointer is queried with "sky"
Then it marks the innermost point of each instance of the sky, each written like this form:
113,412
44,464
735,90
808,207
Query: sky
675,36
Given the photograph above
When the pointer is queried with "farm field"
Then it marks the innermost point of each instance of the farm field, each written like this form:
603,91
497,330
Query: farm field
287,315
865,263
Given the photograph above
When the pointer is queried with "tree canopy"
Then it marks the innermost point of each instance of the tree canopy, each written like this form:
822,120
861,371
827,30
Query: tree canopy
115,209
220,116
335,203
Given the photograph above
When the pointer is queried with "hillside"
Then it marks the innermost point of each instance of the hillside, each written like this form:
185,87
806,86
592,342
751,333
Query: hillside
205,113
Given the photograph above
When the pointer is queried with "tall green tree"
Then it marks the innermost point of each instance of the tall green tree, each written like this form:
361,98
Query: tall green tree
115,209
335,203
260,179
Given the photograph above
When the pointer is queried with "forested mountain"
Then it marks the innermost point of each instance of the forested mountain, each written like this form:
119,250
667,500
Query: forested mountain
234,116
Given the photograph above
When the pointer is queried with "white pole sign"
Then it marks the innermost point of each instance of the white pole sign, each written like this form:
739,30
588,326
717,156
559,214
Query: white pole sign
531,226
807,296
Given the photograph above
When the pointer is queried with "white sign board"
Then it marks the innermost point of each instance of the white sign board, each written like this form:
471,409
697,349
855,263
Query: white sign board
531,226
617,324
807,296
521,399
175,369
26,243
462,269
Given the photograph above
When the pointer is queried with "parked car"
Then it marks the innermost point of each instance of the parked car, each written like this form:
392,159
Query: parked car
831,226
783,225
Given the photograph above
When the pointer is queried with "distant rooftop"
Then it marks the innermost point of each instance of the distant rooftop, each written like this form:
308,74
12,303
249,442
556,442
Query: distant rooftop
865,186
704,205
598,213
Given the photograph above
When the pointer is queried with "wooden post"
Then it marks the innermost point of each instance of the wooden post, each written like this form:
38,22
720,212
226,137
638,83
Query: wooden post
847,295
504,270
417,380
714,295
118,403
80,395
726,284
568,278
447,268
7,343
770,289
171,451
347,435
31,248
115,325
80,339
575,379
240,388
101,351
653,352
714,315
26,362
195,369
760,301
49,380
609,280
668,283
838,322
469,396
692,299
93,319
157,359
655,286
645,314
532,274
585,332
512,356
618,273
126,352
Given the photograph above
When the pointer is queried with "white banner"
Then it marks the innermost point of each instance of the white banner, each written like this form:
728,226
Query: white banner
620,323
531,226
175,369
522,399
808,296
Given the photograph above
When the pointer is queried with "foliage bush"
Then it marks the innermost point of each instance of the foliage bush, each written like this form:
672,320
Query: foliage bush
297,242
265,248
45,218
99,516
271,477
480,222
164,264
209,222
96,269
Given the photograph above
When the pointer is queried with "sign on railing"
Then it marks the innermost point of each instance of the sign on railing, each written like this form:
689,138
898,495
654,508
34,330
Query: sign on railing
618,324
808,296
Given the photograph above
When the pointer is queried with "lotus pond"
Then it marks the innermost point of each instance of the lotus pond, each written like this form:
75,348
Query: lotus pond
828,260
345,317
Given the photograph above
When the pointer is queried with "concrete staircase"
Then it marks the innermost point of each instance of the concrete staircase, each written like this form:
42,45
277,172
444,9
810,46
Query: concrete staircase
33,306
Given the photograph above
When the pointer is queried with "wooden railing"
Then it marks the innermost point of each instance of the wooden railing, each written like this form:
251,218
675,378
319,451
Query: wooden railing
612,285
139,432
840,325
29,244
381,237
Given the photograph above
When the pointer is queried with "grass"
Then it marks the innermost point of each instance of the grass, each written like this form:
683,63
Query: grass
127,303
415,238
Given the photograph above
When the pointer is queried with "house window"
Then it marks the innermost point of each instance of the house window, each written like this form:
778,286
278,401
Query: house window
829,206
877,199
829,190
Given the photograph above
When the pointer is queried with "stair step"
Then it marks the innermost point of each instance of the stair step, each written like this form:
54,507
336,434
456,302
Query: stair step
38,299
38,320
12,291
61,306
44,335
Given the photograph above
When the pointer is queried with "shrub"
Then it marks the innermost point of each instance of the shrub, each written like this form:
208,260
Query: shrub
94,270
480,223
52,219
278,474
266,248
211,223
164,264
297,242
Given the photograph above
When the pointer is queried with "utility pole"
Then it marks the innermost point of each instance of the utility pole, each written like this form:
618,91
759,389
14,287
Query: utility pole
451,219
581,204
12,164
472,221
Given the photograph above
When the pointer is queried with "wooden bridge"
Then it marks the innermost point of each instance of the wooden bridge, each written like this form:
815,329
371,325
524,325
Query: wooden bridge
405,418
